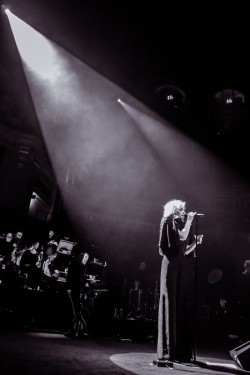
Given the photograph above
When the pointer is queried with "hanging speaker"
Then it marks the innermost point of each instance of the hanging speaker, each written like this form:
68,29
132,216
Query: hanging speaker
241,356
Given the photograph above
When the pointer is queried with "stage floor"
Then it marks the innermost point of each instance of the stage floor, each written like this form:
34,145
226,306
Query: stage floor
36,352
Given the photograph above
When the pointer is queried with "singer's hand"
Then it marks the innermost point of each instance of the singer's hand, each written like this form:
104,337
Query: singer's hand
199,239
190,216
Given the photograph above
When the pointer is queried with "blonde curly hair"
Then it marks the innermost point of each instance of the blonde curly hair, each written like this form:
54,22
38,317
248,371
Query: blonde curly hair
170,207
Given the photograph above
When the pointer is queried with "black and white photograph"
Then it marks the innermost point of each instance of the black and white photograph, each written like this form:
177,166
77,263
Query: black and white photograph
125,187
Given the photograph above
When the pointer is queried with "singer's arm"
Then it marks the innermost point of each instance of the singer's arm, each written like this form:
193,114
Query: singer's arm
192,246
183,234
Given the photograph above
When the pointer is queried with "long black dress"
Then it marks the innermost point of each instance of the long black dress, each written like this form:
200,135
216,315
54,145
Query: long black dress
175,316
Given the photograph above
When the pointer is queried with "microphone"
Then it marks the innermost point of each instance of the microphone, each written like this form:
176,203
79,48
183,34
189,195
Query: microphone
199,215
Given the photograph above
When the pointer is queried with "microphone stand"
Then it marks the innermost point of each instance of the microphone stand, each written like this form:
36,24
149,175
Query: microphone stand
194,363
195,287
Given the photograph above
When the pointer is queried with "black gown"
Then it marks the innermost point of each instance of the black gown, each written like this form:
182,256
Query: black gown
175,315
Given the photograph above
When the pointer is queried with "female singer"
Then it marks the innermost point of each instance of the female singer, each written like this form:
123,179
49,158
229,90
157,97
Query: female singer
176,304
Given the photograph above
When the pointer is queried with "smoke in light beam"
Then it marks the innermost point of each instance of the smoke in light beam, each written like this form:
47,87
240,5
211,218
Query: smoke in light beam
124,160
27,40
84,130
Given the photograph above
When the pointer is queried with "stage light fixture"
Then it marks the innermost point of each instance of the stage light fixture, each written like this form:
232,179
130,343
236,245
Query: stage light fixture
5,9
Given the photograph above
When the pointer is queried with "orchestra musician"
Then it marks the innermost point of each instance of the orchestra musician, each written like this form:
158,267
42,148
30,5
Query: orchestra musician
51,239
28,264
6,248
48,266
75,283
18,250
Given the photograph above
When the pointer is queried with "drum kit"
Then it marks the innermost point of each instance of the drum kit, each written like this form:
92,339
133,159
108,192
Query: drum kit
95,285
143,303
96,276
95,280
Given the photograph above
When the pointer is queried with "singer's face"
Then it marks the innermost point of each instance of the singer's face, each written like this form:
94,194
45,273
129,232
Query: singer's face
180,211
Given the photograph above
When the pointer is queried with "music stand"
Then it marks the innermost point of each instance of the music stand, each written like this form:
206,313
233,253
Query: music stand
64,251
65,247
